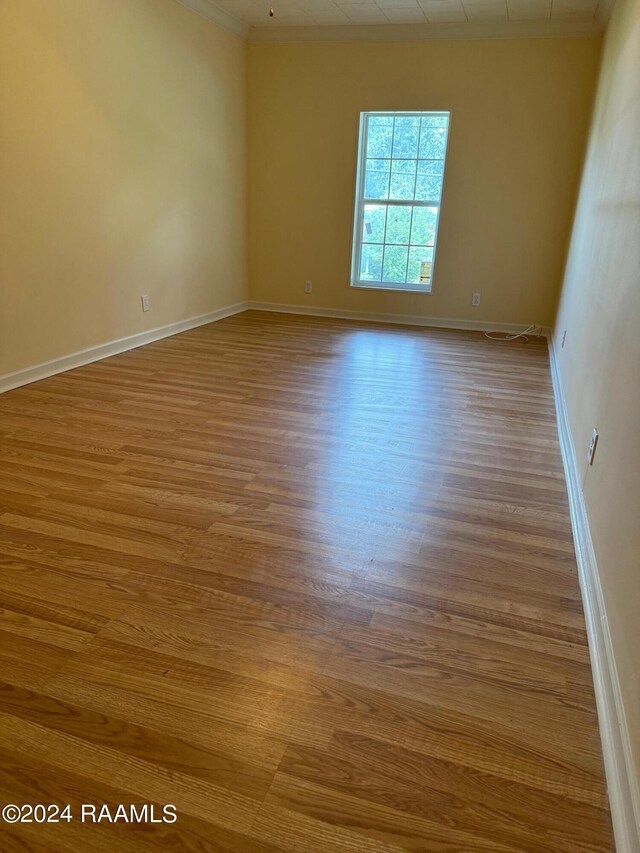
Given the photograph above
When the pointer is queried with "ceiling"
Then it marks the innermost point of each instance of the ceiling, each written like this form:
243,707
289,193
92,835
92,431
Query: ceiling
303,20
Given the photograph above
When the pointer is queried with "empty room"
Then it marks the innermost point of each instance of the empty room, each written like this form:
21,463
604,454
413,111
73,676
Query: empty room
320,426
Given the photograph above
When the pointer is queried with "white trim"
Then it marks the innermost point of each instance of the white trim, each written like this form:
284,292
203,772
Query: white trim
428,32
622,777
396,319
388,287
86,356
217,16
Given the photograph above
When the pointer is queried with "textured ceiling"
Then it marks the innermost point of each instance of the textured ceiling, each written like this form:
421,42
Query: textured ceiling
459,16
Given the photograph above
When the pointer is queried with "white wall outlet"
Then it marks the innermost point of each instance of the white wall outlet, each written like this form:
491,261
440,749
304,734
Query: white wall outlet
475,300
308,286
592,446
564,337
145,303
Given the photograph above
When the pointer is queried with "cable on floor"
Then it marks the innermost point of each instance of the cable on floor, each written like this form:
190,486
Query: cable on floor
507,336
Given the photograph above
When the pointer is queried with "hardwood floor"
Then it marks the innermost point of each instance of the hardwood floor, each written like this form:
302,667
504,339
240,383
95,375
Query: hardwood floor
312,582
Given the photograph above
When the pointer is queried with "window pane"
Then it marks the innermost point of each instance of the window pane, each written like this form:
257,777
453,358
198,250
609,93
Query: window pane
371,263
420,262
379,136
423,228
433,143
405,136
402,179
435,121
428,187
376,179
398,225
403,186
395,264
405,167
430,167
373,223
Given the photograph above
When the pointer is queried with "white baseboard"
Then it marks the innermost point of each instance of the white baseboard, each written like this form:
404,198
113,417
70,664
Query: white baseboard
85,356
622,776
401,319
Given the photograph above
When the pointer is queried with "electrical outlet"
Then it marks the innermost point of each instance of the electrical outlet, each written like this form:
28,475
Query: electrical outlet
475,300
592,446
564,337
308,286
145,303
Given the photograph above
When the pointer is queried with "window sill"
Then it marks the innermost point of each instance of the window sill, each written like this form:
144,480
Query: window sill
387,286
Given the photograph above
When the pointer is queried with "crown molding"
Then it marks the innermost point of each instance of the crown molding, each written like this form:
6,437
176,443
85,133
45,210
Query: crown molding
428,32
404,32
217,16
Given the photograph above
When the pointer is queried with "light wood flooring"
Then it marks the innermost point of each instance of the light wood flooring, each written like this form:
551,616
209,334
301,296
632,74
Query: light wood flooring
311,581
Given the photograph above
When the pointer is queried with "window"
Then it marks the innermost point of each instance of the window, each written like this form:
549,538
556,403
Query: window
400,171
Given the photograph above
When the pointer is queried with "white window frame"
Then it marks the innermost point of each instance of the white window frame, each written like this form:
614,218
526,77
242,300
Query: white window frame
360,202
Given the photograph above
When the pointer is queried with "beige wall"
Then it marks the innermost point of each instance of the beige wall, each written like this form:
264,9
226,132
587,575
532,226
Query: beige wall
122,171
520,112
600,362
